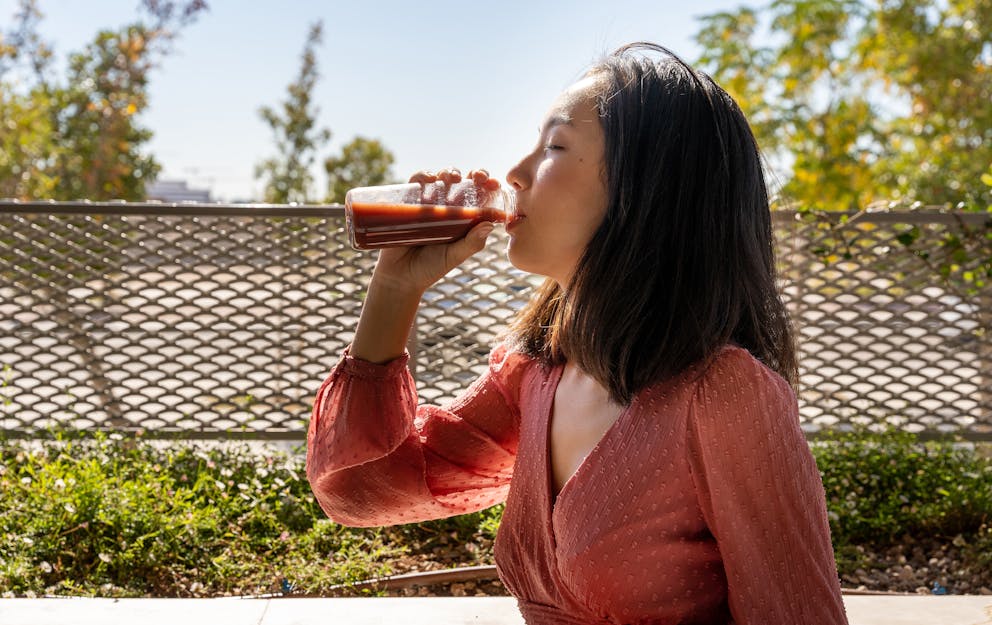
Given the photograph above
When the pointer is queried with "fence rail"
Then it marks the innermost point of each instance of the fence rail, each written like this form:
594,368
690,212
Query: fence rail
220,320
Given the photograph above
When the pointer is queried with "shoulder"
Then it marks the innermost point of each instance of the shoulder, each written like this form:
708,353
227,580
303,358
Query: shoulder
508,365
505,354
735,372
737,392
506,360
741,404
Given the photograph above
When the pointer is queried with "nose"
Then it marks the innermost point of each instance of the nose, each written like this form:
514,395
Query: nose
517,177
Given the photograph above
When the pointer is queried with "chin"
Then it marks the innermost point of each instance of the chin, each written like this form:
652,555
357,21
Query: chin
518,258
528,263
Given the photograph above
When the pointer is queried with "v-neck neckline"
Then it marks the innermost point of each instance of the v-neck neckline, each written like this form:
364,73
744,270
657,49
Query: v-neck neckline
551,498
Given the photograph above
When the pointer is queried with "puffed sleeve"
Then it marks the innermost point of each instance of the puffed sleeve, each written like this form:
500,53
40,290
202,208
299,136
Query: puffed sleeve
761,496
375,458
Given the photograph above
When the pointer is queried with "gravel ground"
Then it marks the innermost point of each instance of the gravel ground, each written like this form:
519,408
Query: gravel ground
914,565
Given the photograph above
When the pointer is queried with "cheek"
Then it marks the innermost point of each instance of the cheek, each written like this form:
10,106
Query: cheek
547,172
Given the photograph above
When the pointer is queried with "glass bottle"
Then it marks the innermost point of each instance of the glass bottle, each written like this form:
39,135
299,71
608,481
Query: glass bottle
421,214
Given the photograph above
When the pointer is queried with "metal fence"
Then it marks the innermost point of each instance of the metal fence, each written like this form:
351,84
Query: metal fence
220,321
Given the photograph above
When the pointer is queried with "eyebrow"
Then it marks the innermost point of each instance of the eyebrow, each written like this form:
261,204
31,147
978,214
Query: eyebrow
557,120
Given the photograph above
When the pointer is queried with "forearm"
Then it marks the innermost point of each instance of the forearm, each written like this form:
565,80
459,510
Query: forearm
387,315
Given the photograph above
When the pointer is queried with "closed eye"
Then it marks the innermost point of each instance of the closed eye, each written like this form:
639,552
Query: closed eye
552,147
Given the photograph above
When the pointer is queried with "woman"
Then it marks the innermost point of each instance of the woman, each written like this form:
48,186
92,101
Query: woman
638,417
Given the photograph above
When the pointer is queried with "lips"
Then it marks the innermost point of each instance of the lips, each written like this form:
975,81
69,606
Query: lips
515,221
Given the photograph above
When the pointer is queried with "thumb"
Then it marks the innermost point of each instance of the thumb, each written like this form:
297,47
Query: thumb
471,243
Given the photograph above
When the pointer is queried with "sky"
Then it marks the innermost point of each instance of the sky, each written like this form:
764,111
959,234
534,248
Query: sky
439,83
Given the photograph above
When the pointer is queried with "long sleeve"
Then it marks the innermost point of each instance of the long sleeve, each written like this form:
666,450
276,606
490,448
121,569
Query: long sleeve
761,496
375,458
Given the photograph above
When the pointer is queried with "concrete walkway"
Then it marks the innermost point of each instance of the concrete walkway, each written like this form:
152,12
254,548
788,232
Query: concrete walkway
861,610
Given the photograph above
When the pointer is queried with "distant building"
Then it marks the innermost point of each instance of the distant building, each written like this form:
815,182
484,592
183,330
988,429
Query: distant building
176,191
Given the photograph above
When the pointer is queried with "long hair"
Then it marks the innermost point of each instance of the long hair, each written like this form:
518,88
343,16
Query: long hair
682,263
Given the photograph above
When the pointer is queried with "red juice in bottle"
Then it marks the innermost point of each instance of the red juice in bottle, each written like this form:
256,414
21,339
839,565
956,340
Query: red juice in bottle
414,214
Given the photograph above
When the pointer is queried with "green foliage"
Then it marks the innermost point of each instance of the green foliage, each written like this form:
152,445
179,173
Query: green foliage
112,516
881,485
26,139
287,175
860,101
362,163
80,138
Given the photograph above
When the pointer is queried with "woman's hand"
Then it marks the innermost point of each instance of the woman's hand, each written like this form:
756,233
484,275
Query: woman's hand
402,274
415,269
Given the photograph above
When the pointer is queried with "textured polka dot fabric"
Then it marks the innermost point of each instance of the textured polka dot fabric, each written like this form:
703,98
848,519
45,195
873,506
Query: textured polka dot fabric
701,504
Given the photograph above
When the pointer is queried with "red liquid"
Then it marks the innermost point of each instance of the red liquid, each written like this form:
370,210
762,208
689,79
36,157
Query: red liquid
373,226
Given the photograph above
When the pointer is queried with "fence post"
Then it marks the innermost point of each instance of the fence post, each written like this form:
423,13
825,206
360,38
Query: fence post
985,358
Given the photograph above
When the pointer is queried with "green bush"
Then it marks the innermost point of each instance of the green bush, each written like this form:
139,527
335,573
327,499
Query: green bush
882,485
110,516
116,517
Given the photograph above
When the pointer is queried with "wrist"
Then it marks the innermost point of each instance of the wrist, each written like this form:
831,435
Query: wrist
392,286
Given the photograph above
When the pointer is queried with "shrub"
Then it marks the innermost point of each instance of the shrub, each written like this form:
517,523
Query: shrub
115,517
881,485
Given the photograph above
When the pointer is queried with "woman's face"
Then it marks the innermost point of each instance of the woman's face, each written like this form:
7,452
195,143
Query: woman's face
560,186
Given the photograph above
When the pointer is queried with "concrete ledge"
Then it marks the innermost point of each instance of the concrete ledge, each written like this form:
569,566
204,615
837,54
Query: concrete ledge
861,610
919,610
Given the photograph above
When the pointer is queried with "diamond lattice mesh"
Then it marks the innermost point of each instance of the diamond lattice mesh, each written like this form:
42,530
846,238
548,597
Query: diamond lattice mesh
220,325
883,337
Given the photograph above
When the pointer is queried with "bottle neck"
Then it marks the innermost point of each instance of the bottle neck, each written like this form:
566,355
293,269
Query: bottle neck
507,199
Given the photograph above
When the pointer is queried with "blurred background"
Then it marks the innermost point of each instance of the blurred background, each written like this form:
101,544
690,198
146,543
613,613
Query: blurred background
295,101
434,83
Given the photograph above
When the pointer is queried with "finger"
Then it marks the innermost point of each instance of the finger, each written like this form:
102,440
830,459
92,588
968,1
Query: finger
471,243
423,177
479,176
491,184
450,175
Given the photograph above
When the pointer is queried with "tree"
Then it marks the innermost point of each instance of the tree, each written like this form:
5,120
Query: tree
287,175
81,139
362,162
859,101
26,132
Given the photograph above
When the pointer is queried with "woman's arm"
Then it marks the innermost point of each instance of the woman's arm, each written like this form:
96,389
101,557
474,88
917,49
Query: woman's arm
373,456
762,496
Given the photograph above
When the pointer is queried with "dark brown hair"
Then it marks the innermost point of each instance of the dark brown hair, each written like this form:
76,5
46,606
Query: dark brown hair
682,263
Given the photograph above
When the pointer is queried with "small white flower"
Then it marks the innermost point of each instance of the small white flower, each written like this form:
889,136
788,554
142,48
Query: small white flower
105,558
46,567
27,540
71,509
59,484
25,480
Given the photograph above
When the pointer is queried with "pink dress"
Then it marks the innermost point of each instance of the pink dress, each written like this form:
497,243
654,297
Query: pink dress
701,504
